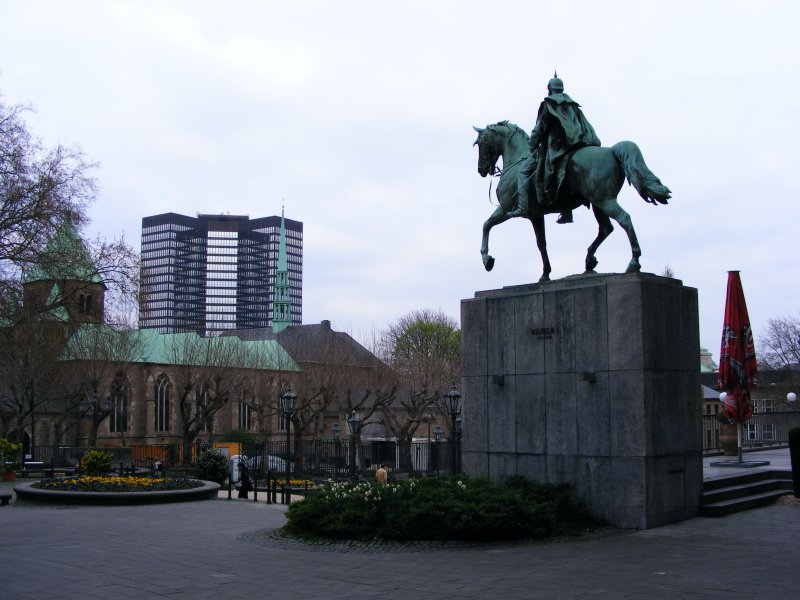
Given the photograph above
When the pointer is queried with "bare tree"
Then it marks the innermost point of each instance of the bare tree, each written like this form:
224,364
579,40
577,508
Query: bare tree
424,349
209,372
322,361
30,379
780,344
118,265
40,188
268,375
95,359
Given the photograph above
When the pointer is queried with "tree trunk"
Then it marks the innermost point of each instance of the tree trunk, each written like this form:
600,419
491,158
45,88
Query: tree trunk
186,450
406,464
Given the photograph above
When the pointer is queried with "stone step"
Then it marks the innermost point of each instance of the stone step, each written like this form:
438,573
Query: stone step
744,478
727,507
742,490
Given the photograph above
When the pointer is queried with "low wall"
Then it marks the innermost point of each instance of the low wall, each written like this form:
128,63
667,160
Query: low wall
27,493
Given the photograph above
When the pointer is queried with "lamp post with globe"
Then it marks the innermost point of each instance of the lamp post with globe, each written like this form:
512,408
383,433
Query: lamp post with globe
287,408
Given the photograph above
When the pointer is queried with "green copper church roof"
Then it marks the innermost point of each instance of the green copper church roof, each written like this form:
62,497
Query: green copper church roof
147,346
64,258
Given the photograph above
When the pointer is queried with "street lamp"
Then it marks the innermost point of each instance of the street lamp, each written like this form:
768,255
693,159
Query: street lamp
353,422
458,439
287,408
121,417
336,431
452,403
428,419
438,435
791,397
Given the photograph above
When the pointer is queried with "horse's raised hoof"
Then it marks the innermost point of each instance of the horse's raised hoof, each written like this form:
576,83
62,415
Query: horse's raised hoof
488,262
633,266
591,263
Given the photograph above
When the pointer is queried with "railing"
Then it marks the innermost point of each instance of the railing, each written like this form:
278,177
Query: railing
329,459
320,459
764,430
68,456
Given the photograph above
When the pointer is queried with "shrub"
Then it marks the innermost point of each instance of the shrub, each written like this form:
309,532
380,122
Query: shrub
436,509
9,455
211,465
96,462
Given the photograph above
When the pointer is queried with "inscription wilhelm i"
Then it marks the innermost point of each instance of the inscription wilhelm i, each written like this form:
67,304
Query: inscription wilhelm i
544,333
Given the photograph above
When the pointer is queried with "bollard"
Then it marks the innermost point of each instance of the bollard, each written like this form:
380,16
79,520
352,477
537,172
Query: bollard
269,500
274,492
230,483
255,487
121,469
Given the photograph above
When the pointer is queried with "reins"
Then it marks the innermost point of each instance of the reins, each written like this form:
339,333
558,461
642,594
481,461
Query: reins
497,172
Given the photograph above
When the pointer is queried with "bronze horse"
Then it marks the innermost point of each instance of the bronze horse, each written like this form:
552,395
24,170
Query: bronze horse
594,177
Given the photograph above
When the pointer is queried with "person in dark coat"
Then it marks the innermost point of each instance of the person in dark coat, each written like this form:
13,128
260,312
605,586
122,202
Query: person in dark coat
245,486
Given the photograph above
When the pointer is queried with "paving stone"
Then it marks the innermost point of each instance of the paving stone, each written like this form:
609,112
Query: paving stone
211,550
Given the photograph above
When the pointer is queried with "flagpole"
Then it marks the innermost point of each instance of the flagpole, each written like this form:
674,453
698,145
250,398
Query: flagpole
739,440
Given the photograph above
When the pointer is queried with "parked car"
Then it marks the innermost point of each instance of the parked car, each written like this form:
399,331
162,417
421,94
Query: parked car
274,463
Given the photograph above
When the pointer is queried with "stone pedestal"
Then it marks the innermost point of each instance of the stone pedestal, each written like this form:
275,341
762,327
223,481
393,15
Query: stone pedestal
592,381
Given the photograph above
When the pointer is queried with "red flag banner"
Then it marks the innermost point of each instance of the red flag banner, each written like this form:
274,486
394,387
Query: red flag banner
738,371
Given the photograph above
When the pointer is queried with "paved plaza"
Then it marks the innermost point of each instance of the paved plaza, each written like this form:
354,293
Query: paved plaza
210,549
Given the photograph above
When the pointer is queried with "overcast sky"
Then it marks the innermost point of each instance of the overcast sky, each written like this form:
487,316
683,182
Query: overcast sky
358,117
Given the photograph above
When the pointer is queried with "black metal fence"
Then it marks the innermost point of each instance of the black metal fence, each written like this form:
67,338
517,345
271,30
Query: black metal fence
764,430
328,459
340,460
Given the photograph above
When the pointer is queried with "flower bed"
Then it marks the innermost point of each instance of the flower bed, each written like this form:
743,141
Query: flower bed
295,484
110,490
115,484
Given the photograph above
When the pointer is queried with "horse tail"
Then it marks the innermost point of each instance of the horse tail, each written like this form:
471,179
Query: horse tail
638,175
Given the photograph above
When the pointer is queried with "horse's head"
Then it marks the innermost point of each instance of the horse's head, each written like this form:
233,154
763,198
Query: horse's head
489,150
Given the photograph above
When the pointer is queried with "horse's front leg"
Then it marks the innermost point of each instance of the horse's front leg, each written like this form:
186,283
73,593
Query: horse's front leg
500,215
541,243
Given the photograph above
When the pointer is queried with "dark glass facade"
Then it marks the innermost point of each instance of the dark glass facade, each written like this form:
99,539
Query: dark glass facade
216,272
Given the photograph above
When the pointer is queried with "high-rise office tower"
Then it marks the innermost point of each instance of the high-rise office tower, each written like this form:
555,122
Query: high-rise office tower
217,272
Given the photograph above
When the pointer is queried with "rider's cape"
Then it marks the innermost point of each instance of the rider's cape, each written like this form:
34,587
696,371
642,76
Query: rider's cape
568,129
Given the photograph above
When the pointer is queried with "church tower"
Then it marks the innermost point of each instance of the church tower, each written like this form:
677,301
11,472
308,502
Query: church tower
281,303
65,285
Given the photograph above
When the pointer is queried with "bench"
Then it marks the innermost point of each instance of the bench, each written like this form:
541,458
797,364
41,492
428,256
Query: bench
39,467
5,499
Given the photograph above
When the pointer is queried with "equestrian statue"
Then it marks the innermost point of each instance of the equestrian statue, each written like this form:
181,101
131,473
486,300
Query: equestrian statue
558,168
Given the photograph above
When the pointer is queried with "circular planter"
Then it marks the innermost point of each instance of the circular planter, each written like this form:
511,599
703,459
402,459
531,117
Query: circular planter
26,492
